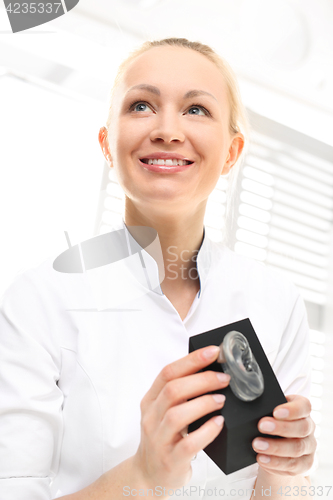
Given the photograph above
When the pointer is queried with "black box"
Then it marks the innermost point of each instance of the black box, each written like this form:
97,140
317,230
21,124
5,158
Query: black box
232,449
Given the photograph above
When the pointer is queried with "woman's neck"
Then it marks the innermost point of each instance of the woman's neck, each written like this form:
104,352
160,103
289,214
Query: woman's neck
180,239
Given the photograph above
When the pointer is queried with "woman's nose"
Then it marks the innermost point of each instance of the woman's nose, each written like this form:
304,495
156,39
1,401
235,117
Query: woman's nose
167,129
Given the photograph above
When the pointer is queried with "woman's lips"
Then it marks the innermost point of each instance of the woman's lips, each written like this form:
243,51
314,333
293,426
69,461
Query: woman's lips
165,169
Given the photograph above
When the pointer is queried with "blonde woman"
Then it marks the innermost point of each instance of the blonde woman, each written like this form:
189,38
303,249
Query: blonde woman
96,406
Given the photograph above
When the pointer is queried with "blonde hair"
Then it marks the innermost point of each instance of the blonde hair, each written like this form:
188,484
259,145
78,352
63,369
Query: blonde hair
238,122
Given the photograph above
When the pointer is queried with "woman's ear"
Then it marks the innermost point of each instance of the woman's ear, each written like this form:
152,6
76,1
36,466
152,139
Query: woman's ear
104,143
235,150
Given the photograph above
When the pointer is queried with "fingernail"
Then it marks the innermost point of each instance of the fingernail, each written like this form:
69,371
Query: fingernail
223,377
267,426
210,352
281,413
218,420
219,398
264,459
260,444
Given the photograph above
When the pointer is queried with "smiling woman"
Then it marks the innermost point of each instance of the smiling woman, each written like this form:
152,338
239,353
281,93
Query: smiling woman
98,405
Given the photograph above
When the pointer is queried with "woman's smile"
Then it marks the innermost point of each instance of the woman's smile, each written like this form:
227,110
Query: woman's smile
162,168
165,163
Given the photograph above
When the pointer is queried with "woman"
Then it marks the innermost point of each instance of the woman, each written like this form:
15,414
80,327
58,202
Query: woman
77,384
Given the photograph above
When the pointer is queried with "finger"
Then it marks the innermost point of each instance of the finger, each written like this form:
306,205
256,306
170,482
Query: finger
288,429
285,466
181,389
296,408
180,416
194,442
293,447
187,365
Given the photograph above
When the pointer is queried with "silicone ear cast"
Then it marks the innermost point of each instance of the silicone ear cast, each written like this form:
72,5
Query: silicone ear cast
236,358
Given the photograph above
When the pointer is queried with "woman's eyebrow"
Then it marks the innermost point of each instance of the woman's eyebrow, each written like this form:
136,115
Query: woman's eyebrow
145,86
195,93
156,91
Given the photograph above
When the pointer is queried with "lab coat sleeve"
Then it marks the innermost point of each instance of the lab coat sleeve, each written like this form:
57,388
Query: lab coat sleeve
30,400
292,364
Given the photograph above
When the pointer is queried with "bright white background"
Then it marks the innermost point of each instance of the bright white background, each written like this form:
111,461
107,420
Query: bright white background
53,99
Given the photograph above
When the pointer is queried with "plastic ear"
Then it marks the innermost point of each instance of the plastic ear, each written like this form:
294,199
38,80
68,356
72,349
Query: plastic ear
236,358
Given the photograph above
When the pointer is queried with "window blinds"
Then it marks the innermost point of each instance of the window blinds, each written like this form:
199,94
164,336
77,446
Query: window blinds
285,212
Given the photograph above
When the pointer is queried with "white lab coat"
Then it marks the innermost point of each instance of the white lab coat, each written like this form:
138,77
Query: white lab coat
72,375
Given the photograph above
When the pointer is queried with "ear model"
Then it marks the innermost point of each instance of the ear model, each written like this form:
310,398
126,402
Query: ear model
237,359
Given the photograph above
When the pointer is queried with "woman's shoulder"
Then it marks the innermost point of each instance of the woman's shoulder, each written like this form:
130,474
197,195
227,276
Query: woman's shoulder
37,301
43,281
267,296
251,274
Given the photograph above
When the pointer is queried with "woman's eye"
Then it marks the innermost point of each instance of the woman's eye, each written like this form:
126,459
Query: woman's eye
140,106
197,110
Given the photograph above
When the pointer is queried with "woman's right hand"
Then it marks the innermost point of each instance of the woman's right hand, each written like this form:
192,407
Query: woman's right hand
164,455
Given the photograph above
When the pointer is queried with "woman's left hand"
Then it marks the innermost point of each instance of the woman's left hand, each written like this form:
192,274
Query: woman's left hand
294,454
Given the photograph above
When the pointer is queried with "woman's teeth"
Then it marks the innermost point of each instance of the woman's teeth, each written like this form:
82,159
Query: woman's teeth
169,163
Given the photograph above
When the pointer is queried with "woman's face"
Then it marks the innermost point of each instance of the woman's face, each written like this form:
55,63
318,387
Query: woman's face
171,100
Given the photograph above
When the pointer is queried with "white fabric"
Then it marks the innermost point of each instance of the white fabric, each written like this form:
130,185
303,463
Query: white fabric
72,376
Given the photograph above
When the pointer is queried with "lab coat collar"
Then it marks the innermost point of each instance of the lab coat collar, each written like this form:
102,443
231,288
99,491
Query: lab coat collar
154,269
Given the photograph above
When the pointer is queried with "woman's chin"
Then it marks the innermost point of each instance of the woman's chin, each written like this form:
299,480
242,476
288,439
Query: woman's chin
161,199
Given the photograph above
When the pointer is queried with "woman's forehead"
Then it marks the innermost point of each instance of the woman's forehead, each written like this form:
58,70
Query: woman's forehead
174,69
